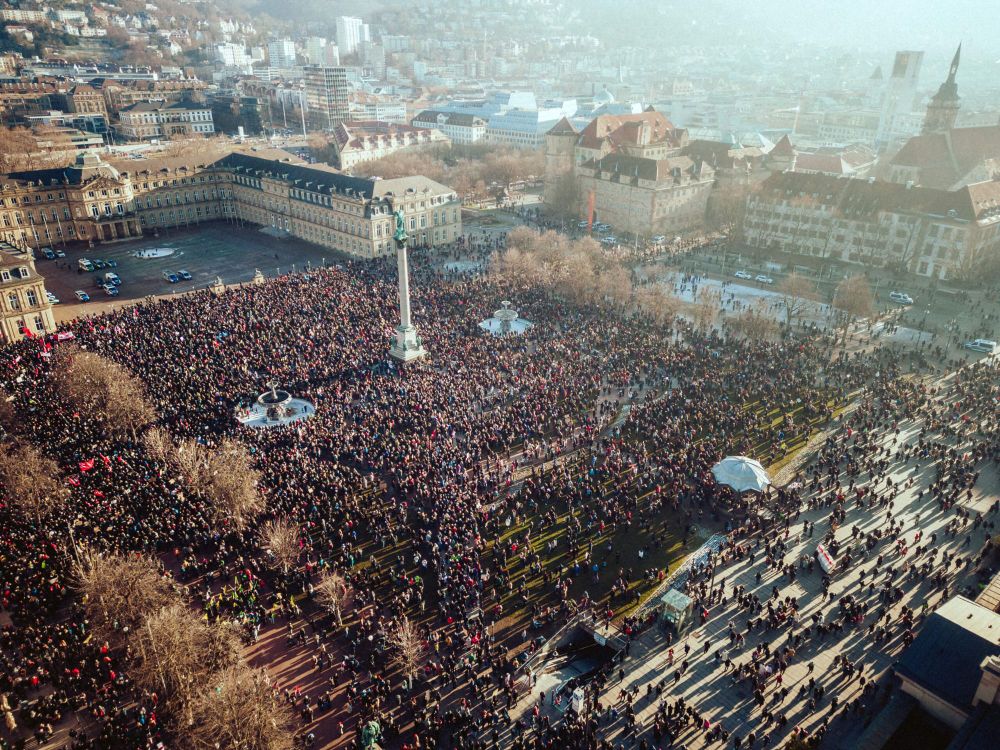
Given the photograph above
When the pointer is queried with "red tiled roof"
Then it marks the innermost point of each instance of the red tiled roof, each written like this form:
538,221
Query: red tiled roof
563,127
856,197
614,127
945,158
782,148
825,163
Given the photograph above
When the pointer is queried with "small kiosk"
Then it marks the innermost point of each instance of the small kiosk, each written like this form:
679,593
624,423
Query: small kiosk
675,610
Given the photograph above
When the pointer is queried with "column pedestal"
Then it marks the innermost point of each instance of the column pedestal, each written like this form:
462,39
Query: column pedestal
406,344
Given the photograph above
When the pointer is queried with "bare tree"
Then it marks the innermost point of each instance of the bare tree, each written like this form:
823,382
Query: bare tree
31,481
705,310
160,446
119,591
796,295
226,478
755,322
408,646
17,147
333,594
104,389
853,298
280,539
562,197
239,711
175,651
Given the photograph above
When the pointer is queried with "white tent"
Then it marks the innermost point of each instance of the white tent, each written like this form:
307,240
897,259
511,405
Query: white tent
742,474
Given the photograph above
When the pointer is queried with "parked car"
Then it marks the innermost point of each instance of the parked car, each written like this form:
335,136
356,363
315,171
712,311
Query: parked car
184,274
581,225
82,295
986,346
111,263
48,253
901,298
658,239
53,299
172,277
111,290
85,264
60,253
743,275
112,278
764,279
98,263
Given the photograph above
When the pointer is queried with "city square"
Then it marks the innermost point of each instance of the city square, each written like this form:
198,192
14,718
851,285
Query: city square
505,375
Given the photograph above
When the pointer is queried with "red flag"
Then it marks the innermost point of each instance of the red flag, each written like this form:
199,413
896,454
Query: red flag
74,480
106,460
98,493
87,465
27,333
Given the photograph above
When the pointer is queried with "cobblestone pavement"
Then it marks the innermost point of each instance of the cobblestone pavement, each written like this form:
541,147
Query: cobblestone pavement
711,688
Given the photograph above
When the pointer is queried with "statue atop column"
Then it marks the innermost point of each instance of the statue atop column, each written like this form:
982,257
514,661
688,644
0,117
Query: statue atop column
406,345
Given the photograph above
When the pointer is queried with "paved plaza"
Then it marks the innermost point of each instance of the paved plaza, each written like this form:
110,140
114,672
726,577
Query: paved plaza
850,662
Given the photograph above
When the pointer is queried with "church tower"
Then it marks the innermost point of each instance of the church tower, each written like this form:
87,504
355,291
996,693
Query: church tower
943,108
560,143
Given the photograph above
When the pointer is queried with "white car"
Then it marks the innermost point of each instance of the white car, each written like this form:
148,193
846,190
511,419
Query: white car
764,279
986,346
901,298
53,299
746,275
82,295
659,239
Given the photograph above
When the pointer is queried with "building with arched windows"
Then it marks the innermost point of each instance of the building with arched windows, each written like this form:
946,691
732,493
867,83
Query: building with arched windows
93,201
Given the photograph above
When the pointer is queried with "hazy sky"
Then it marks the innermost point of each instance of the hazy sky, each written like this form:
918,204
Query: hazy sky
873,24
899,24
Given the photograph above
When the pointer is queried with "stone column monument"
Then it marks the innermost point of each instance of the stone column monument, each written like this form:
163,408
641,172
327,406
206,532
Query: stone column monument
406,345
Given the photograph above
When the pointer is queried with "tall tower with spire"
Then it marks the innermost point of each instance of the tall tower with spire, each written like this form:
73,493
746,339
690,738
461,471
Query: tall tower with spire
943,108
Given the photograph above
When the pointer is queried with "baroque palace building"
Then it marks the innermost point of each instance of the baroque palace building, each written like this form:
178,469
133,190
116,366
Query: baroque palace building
93,201
23,302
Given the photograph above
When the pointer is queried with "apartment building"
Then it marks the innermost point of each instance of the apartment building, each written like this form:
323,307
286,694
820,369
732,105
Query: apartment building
936,233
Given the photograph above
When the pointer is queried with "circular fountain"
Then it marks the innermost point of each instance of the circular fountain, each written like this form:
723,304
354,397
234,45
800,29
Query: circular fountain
275,408
506,321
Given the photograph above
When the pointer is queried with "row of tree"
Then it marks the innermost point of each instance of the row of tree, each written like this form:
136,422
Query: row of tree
578,270
211,697
474,171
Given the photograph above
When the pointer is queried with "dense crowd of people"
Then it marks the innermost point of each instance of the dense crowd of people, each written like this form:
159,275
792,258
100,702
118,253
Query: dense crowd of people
485,494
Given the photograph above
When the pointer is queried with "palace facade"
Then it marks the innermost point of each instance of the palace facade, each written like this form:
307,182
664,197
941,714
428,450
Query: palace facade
93,201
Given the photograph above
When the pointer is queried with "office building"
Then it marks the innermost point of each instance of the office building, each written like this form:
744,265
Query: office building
327,96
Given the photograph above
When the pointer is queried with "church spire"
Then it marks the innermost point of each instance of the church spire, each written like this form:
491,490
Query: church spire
943,108
954,64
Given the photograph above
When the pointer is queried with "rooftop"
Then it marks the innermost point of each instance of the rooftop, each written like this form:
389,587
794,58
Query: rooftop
945,658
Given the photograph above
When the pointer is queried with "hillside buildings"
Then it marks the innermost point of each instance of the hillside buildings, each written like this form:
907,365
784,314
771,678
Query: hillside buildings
631,172
93,200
